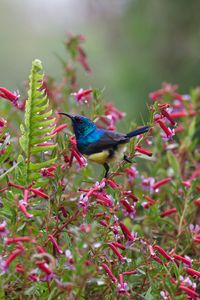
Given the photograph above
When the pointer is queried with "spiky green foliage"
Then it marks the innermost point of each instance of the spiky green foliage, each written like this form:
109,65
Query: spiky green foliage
38,126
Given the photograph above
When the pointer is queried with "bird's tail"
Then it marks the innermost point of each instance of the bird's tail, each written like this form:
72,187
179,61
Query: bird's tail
138,131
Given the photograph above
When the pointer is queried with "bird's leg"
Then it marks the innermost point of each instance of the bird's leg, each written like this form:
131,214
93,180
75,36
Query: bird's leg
107,168
127,159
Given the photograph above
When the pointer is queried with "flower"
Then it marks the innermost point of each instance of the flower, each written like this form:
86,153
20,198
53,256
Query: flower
54,242
161,182
168,212
114,249
19,249
3,230
131,172
143,151
109,272
168,133
82,58
148,184
70,261
82,95
12,97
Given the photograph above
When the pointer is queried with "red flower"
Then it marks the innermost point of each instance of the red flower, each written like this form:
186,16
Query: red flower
56,130
128,235
169,133
193,272
143,151
81,95
22,206
109,272
6,94
16,252
82,58
14,240
162,252
53,240
161,182
116,252
168,212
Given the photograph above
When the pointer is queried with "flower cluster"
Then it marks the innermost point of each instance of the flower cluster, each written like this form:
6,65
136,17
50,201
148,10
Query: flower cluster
67,233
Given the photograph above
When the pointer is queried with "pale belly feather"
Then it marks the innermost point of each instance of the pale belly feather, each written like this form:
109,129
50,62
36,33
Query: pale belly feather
103,157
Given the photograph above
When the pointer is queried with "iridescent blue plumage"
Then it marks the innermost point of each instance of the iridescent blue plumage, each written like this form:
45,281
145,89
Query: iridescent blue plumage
98,144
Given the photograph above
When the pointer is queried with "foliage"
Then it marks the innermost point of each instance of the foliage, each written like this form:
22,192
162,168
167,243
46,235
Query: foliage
68,233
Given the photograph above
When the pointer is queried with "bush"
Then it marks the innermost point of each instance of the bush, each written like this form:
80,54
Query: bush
65,235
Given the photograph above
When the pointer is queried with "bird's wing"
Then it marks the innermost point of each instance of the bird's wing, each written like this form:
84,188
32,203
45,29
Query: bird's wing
109,140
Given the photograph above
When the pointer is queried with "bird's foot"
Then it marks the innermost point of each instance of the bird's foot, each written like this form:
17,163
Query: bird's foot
127,159
107,168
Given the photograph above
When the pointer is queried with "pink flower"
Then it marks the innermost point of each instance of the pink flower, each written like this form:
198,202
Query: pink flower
22,206
3,230
193,272
115,250
70,261
109,272
48,172
3,122
165,295
129,209
14,240
131,172
167,89
168,116
82,95
57,129
85,227
162,252
122,286
167,132
82,58
54,242
39,193
186,261
168,212
148,184
143,151
189,291
127,233
6,94
161,182
19,249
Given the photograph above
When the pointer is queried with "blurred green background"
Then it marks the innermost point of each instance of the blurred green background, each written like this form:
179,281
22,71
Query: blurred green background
132,45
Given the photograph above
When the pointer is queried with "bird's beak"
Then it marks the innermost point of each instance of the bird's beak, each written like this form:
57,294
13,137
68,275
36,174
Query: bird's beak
67,115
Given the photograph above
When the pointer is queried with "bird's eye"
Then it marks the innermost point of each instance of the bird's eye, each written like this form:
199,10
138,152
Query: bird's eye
79,120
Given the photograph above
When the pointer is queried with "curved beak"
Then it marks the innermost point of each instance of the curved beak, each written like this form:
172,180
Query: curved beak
67,115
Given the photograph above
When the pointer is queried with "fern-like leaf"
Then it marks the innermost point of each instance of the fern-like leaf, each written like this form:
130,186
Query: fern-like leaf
39,123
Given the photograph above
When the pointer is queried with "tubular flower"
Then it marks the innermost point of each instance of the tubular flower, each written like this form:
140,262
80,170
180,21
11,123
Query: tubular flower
128,235
82,95
168,212
109,272
16,252
3,230
12,97
143,151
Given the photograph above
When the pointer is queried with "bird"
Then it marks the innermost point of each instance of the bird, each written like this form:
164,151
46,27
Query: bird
100,145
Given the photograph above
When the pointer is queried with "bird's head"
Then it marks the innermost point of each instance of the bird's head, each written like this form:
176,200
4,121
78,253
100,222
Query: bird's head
82,126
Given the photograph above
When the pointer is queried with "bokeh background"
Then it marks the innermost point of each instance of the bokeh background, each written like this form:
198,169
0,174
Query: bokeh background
132,45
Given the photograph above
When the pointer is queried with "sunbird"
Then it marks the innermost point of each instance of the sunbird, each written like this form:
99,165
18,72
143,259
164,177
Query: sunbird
100,145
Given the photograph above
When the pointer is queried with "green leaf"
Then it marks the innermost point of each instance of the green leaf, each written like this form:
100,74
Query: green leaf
192,128
38,126
148,295
173,163
8,171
